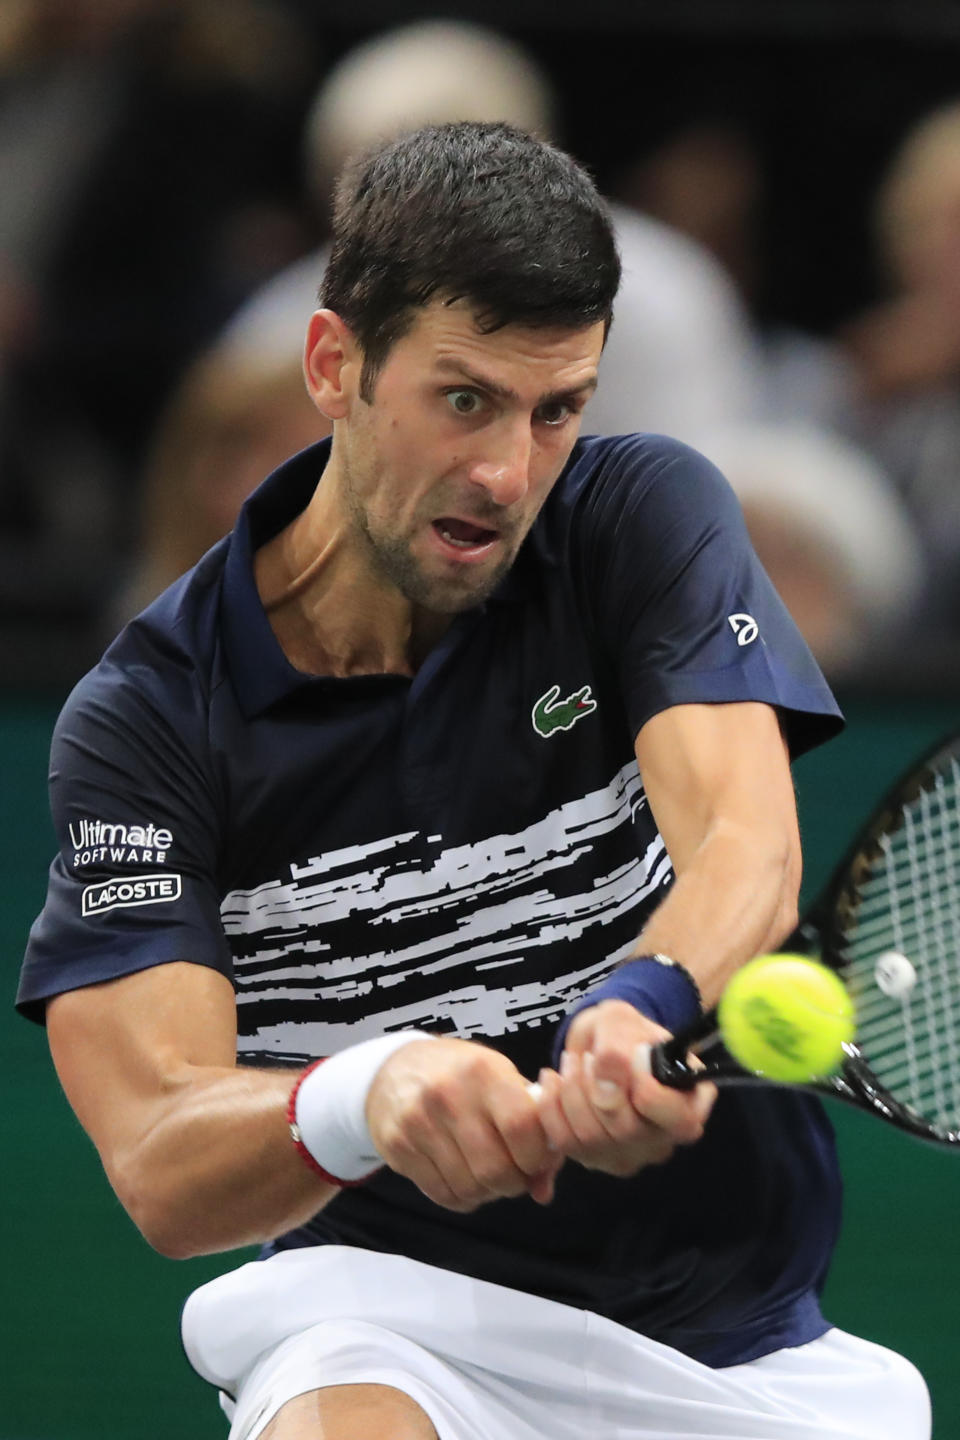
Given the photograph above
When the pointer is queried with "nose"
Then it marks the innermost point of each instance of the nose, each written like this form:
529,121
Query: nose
504,468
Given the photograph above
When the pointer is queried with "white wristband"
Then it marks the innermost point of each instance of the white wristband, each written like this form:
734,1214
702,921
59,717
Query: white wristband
329,1118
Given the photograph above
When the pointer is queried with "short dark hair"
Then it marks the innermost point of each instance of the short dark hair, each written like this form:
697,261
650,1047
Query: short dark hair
481,212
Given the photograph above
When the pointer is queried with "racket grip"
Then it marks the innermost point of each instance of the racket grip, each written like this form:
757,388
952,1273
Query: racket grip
669,1066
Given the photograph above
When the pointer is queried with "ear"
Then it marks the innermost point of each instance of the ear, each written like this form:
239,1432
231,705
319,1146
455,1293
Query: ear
331,364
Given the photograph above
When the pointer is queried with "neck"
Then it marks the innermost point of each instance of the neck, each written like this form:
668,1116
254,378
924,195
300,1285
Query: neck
330,611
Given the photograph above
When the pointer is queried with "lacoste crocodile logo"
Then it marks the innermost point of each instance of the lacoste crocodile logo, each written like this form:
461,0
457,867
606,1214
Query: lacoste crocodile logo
551,714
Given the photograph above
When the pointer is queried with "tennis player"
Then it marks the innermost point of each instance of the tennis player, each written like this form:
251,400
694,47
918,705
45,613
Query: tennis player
463,761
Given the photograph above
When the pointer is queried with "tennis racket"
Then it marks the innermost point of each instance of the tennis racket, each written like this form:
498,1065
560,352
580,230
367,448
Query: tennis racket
888,922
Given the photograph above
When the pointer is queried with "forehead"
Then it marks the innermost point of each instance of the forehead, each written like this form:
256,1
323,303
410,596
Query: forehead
444,333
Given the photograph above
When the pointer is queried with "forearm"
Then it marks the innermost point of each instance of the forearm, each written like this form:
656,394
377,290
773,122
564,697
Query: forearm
219,1168
216,1168
736,897
199,1150
719,784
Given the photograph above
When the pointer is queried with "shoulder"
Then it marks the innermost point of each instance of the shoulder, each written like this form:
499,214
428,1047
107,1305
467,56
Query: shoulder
642,455
645,477
162,664
179,628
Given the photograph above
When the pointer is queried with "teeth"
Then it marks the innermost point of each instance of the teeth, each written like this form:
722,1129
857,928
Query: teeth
461,544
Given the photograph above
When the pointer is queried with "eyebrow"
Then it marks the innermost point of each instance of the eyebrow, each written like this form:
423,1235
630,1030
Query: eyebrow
504,392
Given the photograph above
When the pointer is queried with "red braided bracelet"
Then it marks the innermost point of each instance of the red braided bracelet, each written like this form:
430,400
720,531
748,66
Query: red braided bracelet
298,1144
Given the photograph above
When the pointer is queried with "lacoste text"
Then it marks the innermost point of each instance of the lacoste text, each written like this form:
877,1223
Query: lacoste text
143,890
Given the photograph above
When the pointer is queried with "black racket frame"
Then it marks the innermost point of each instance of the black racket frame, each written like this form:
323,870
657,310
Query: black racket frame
822,934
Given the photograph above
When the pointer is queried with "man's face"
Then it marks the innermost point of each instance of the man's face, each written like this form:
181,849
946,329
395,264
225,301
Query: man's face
445,470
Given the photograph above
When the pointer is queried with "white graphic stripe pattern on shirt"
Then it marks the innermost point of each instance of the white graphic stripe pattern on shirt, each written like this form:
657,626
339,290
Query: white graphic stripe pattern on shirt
458,913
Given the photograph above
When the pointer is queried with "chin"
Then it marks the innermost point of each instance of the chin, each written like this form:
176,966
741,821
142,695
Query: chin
449,599
440,591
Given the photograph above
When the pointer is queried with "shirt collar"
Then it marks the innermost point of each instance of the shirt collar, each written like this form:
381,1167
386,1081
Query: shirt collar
260,671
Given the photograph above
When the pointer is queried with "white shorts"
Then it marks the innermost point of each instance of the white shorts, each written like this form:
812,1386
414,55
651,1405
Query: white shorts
488,1363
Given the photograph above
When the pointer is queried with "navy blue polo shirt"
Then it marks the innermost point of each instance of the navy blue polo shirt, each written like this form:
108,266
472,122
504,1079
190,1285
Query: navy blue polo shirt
467,851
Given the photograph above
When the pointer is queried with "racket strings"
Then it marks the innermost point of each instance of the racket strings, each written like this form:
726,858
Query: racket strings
944,928
910,904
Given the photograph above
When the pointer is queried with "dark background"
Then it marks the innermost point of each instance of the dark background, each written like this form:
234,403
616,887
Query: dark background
823,92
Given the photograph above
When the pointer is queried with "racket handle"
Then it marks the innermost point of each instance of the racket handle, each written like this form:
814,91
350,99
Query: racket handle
669,1066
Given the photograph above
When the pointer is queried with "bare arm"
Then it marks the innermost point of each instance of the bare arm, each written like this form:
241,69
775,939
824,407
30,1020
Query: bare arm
198,1149
718,781
717,778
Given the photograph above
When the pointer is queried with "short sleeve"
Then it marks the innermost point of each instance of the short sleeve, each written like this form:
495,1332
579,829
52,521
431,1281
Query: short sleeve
134,805
679,600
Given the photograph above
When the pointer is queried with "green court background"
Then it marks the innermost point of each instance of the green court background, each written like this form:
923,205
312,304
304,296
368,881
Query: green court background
88,1323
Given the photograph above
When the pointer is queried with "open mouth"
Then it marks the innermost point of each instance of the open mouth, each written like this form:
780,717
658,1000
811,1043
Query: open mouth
464,534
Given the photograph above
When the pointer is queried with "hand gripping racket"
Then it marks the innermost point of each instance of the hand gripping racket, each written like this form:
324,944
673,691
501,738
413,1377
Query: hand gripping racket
888,922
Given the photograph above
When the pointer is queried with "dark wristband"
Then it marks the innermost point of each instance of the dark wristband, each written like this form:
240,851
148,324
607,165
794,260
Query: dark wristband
657,986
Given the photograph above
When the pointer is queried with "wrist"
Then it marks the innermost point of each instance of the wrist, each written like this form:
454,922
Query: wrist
660,988
326,1111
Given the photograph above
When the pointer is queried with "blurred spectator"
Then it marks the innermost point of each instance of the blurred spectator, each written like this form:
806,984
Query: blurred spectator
142,150
149,139
231,421
907,349
912,339
679,358
833,537
706,180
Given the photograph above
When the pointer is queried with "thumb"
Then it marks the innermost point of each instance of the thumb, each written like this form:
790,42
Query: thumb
607,1091
615,1039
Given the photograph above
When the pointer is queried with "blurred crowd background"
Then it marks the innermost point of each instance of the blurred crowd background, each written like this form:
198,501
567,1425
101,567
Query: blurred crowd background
786,186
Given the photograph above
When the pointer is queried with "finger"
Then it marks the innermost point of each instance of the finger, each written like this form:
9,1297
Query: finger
618,1144
430,1178
513,1110
646,1145
560,1137
541,1188
487,1159
682,1114
704,1098
467,1153
468,1125
609,1098
619,1029
621,1122
589,1126
576,1110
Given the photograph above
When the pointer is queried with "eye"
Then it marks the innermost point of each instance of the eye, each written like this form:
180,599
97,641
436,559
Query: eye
555,412
464,402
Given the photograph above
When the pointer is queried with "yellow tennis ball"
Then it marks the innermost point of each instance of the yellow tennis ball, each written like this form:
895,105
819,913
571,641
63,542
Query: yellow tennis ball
787,1018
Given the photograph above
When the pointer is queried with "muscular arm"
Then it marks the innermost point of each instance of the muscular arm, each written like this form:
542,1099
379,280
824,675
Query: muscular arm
717,779
198,1149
